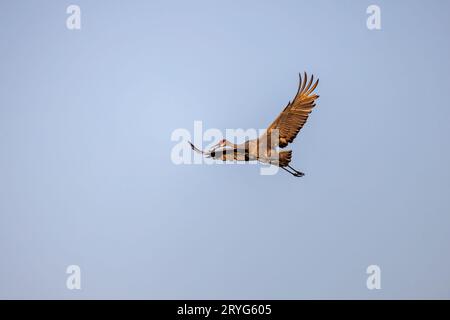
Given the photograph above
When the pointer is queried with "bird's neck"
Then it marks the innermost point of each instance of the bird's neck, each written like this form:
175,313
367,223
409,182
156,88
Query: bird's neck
231,145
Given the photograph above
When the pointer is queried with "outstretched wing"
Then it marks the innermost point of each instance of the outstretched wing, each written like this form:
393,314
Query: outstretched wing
294,116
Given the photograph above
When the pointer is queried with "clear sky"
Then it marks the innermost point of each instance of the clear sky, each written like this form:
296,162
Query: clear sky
86,176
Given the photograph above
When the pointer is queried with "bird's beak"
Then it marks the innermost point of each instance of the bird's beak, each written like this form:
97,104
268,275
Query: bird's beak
195,148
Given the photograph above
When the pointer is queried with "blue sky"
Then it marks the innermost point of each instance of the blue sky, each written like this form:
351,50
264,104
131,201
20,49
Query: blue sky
86,177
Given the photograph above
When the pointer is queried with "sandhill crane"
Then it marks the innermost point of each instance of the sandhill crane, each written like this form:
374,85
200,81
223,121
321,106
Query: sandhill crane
284,128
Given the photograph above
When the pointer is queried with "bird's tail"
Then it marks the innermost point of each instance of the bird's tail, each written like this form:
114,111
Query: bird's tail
285,158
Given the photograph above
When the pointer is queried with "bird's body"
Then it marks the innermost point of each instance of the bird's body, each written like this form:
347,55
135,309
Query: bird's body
279,134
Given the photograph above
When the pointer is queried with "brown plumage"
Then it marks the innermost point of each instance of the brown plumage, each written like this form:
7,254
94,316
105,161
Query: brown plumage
294,116
284,129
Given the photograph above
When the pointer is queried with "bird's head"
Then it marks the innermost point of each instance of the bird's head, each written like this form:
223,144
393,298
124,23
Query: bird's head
222,143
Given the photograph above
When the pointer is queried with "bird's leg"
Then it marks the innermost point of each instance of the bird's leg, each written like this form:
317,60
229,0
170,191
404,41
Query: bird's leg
300,174
295,174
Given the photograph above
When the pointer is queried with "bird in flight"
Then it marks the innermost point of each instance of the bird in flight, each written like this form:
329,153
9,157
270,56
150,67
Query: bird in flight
278,135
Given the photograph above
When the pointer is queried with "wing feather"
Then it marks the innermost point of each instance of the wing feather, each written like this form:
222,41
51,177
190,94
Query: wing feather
294,116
